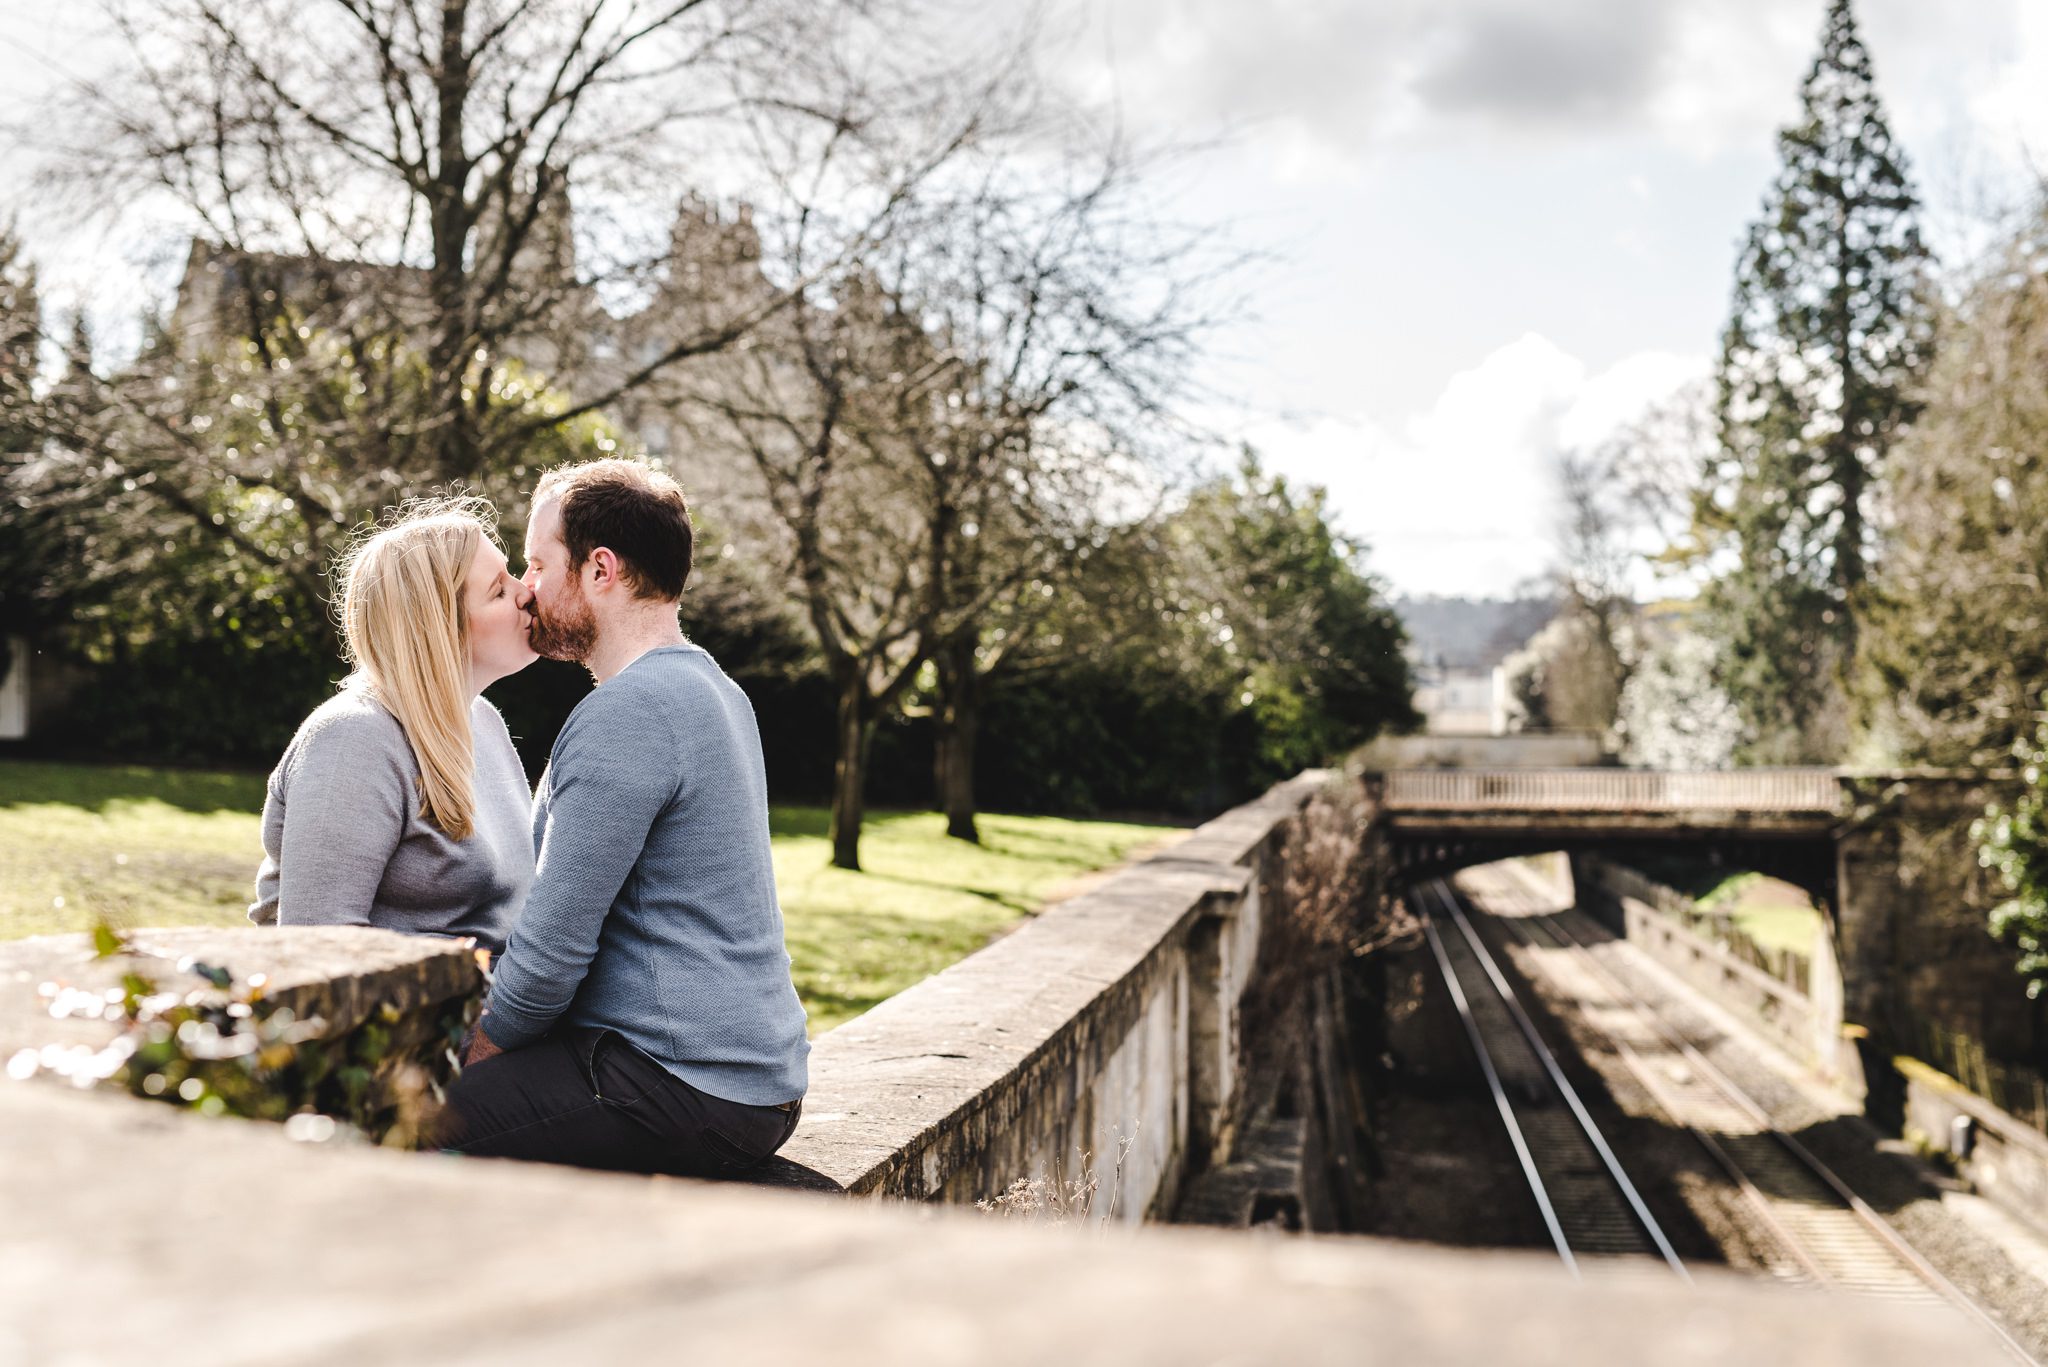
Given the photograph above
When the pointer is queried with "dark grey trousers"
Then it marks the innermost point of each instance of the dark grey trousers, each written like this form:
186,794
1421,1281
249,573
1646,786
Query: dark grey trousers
588,1097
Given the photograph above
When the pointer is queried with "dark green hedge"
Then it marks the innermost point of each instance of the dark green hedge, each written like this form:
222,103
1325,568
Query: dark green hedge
1084,741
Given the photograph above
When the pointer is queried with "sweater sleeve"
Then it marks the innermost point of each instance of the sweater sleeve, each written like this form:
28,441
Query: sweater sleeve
347,797
610,777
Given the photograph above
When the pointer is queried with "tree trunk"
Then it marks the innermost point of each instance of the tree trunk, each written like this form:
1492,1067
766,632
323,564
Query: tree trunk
942,726
449,218
849,768
959,795
957,717
942,748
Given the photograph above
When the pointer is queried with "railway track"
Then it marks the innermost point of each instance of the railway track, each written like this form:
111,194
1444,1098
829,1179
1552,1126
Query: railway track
1828,1235
1588,1204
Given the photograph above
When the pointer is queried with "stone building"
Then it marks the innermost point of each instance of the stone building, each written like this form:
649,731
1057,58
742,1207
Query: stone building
1456,647
709,280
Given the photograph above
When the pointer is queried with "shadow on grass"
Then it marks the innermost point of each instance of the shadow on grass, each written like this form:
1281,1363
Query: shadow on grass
884,936
1009,901
806,821
1018,903
96,788
1050,848
1065,839
830,1010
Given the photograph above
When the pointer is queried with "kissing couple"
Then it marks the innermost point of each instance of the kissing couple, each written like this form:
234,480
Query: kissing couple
641,1015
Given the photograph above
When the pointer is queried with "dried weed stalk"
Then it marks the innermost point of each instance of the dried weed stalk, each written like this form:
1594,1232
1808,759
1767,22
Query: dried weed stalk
1327,903
1059,1199
1332,903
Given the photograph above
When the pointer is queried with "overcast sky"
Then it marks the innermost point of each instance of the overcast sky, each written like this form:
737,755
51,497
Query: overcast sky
1497,226
1509,224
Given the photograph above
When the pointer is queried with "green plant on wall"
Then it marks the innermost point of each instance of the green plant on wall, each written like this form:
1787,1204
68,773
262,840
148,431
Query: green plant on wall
2014,841
225,1048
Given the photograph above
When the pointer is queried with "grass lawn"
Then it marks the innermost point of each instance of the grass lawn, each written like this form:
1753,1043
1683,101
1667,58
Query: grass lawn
1772,912
1775,914
166,847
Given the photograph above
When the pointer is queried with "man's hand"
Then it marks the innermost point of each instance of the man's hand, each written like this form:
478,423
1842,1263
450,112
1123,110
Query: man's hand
480,1047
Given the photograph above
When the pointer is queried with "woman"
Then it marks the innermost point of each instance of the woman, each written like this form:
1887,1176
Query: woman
400,802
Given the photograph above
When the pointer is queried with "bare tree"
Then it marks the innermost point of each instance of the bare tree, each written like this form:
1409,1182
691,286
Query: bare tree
1071,315
1625,521
942,432
1574,670
386,288
803,404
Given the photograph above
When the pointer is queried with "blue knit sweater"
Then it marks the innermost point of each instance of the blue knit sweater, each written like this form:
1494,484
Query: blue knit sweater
653,909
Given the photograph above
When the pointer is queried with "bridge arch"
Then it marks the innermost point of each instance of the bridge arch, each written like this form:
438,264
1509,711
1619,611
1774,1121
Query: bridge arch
1783,822
1887,856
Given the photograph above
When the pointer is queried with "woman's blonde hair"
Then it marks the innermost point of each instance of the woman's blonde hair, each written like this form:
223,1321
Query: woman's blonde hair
407,634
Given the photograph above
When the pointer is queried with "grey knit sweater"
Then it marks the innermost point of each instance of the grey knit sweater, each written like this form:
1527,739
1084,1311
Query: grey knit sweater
653,911
344,843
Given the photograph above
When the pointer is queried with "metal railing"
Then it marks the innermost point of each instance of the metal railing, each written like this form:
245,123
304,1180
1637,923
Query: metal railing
1613,790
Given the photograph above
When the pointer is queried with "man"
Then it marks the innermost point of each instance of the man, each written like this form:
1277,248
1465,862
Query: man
642,1016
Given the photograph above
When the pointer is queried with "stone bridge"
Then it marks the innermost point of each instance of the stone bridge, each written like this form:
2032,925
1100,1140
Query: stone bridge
1887,855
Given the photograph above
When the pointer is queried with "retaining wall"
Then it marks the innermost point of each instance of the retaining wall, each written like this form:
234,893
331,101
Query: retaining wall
1098,1041
263,1022
1807,1027
1107,1026
2001,1156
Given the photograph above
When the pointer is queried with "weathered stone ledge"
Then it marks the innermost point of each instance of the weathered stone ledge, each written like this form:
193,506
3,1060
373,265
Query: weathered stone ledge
1109,1018
342,975
2001,1156
263,1021
137,1233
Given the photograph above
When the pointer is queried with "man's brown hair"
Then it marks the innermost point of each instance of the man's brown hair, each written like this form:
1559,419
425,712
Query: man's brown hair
634,511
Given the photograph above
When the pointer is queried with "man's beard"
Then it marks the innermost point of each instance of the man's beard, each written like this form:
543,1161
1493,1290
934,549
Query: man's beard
571,635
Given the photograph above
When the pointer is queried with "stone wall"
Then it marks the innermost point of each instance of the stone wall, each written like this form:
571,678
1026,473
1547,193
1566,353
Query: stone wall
1912,908
264,1022
2001,1156
1100,1039
1809,1027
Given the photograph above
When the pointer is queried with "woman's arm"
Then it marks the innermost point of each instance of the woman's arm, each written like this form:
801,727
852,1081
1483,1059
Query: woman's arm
346,802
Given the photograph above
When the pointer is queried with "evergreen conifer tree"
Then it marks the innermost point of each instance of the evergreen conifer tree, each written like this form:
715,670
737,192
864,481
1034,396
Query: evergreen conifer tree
1829,331
21,335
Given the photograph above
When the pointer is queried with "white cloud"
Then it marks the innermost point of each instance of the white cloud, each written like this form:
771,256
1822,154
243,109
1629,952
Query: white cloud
2009,106
1460,497
1509,401
1348,75
1732,73
1328,69
1324,80
1620,393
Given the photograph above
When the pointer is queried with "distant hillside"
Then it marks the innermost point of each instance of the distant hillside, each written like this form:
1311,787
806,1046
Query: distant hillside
1471,633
